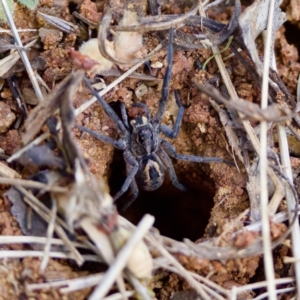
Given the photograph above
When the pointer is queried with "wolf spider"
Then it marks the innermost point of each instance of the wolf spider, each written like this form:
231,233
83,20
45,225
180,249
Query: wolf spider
145,151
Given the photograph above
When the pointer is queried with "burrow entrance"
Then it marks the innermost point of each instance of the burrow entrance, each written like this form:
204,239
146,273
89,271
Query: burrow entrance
177,214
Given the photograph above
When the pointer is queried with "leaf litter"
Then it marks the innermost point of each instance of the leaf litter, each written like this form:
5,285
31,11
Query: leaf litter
63,206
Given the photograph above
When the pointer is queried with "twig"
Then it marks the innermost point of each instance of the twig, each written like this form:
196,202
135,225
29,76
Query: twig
155,26
22,52
121,259
248,109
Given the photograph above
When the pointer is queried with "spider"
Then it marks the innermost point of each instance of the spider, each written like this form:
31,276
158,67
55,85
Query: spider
146,153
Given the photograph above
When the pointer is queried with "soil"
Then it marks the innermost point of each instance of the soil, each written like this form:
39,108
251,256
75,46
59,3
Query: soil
217,192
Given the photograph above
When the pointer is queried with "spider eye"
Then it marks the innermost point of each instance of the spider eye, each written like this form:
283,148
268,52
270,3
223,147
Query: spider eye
141,139
143,136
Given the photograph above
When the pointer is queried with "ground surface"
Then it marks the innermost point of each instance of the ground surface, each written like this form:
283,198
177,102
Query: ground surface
217,192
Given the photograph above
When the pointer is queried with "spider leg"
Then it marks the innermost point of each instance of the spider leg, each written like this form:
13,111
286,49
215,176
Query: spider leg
165,90
124,115
134,193
109,111
133,168
172,152
166,130
120,144
144,106
168,164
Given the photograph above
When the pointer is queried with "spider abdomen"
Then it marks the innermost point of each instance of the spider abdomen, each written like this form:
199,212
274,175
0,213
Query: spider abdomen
151,173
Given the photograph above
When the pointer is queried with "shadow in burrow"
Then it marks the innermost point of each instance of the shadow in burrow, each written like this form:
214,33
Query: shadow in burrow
177,214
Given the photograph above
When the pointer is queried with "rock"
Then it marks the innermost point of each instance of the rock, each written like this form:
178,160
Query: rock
7,117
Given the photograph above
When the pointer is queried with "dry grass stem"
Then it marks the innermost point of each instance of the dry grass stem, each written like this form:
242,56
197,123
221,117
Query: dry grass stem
277,291
6,171
118,296
4,254
100,239
290,260
7,62
50,231
36,240
41,81
88,103
63,25
268,257
121,259
182,271
290,199
237,238
142,291
19,30
22,53
262,284
36,141
45,213
32,184
209,288
72,284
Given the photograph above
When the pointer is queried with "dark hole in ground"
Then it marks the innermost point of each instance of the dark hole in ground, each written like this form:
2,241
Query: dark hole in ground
177,214
292,34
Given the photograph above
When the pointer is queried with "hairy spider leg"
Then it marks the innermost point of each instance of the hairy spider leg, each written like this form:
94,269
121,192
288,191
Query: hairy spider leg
172,152
134,193
144,106
119,144
109,111
168,164
165,90
134,166
166,130
124,115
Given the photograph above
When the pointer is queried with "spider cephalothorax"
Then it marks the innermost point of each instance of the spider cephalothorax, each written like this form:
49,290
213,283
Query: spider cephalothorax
144,137
146,153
